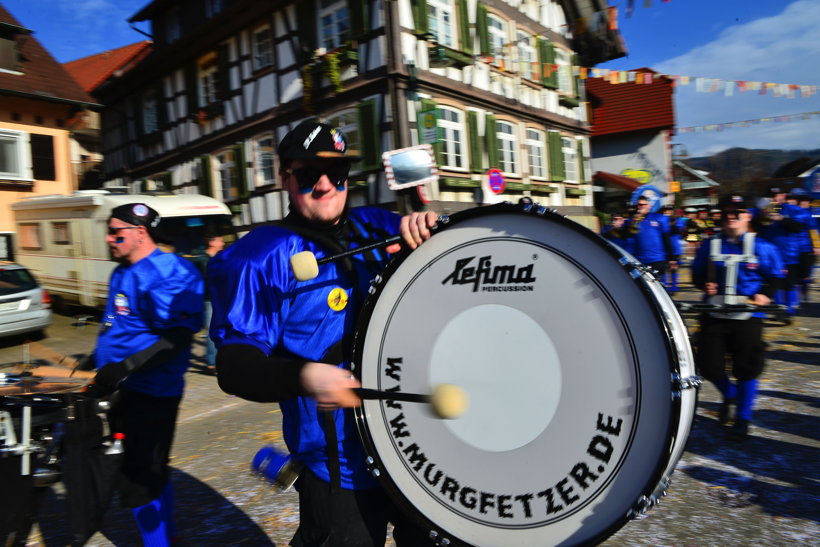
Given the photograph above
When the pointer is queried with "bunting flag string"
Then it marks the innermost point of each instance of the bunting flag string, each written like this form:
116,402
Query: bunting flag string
703,85
748,123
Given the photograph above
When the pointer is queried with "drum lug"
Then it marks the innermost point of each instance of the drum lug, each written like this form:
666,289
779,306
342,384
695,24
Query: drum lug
680,383
373,284
371,466
434,536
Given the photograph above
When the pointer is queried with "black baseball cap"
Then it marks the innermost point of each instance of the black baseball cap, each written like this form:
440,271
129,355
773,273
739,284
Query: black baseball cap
139,214
311,140
734,202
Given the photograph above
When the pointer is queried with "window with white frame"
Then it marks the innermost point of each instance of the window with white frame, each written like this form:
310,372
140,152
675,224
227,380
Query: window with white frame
452,135
347,122
570,152
263,152
262,48
526,55
497,33
14,155
228,176
208,74
536,153
507,147
562,59
334,23
150,114
441,21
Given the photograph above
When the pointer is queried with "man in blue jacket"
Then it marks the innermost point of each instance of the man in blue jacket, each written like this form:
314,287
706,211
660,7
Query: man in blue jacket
282,340
143,349
651,234
735,267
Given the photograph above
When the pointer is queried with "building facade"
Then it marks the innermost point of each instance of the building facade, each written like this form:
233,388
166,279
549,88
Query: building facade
227,79
42,109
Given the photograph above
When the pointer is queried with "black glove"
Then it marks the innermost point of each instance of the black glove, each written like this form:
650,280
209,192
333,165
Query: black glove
108,379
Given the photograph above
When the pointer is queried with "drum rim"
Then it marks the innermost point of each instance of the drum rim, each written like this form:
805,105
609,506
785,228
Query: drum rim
365,315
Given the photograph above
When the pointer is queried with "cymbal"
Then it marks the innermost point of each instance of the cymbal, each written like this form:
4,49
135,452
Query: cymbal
13,384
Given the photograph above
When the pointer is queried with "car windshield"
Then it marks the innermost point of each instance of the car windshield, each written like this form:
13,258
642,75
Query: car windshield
14,281
187,234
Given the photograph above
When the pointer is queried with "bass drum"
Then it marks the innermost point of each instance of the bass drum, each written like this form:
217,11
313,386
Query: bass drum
577,368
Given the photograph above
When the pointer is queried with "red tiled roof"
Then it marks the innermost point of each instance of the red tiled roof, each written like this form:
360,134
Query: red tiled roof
619,108
41,74
617,180
93,70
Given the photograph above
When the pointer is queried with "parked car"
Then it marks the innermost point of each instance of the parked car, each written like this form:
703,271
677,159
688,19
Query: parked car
24,305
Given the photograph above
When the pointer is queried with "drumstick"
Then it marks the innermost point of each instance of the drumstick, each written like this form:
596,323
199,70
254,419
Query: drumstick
448,401
305,265
55,372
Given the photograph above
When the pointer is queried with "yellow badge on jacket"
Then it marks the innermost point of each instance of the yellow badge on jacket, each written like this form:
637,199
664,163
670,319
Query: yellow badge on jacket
337,299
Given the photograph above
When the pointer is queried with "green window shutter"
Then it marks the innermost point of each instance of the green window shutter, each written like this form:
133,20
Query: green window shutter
359,23
223,81
306,27
430,104
241,170
556,155
420,15
162,113
475,143
581,177
464,27
492,142
192,88
369,134
547,53
576,80
205,176
481,26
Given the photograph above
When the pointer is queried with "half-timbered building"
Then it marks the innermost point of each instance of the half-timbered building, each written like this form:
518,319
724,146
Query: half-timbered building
228,78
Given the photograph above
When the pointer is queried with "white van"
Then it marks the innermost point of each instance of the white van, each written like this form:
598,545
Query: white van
61,239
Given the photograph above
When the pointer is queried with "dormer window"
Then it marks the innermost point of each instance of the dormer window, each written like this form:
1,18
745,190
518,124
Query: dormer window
173,24
9,50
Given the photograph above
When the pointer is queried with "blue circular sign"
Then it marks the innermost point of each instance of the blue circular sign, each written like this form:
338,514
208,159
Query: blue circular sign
496,181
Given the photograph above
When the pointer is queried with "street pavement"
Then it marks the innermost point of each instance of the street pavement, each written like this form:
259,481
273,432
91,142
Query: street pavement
763,491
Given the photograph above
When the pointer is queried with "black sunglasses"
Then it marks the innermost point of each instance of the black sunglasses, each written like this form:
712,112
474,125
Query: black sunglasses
112,231
307,177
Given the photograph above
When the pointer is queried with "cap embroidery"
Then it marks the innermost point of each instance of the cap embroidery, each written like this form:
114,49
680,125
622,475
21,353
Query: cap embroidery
310,137
140,210
338,140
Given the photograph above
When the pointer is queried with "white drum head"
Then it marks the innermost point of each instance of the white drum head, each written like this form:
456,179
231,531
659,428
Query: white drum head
566,365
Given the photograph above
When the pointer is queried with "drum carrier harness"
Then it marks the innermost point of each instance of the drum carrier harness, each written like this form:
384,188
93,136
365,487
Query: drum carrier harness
731,261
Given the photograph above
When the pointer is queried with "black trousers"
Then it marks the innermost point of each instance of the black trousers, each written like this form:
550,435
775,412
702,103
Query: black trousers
148,423
741,339
334,517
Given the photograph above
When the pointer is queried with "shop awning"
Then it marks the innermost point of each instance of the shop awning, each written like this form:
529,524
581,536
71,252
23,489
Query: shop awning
603,178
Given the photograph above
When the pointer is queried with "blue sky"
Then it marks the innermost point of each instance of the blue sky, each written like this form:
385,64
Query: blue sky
753,40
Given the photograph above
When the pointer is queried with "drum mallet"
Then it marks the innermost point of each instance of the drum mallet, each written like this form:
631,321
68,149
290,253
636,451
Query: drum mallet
305,265
447,401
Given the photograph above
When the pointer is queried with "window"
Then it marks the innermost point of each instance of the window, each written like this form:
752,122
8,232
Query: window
536,153
173,24
348,123
562,59
150,116
213,7
263,151
505,133
14,156
334,23
228,175
208,72
441,22
60,233
498,39
262,48
452,135
526,56
42,157
570,159
9,57
30,236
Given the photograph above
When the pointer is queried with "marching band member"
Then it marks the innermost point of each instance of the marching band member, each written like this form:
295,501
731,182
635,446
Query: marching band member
732,268
286,341
652,233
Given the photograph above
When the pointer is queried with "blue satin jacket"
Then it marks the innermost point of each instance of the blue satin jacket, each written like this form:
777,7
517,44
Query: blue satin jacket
257,301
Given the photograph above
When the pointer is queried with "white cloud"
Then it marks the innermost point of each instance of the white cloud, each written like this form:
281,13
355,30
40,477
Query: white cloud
784,48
